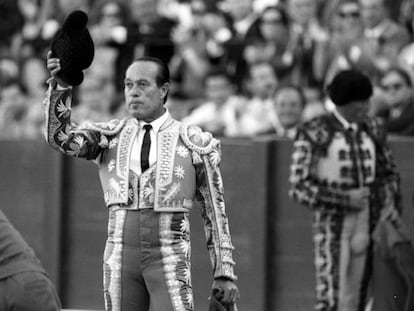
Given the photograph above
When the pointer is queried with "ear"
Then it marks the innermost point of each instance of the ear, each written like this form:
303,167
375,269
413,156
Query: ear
164,89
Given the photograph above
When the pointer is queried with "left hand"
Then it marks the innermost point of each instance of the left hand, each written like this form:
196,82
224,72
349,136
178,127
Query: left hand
229,293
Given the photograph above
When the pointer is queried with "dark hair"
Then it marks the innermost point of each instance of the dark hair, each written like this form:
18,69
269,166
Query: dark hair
401,72
163,75
294,87
282,11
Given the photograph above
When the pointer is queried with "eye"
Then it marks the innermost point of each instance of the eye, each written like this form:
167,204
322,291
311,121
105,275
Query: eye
142,85
128,84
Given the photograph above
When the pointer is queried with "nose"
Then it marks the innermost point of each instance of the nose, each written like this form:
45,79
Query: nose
134,91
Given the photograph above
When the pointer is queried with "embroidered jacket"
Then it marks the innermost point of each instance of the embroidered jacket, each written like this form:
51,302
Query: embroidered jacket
311,147
187,169
328,160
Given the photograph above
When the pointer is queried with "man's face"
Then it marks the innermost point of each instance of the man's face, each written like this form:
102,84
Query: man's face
396,90
143,97
373,12
289,107
263,80
218,89
302,11
355,111
271,25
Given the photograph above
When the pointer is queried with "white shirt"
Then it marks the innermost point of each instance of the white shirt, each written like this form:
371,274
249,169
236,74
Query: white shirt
259,117
135,164
209,113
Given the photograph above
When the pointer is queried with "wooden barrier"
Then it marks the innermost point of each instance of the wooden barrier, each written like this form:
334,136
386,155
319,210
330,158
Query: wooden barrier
56,203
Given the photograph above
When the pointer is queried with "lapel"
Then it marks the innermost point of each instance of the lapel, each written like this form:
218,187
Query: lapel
126,140
167,140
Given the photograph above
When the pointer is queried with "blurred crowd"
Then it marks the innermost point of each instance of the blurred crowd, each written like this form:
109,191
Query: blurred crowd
239,68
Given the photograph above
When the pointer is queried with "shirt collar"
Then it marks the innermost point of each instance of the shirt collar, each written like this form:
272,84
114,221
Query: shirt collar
157,123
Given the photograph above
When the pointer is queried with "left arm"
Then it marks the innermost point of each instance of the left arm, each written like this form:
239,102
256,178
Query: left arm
210,198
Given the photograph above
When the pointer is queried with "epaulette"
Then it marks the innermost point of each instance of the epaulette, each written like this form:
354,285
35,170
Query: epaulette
198,140
318,130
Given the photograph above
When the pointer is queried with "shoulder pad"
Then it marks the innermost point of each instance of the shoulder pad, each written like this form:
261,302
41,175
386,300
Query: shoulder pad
109,128
317,130
198,140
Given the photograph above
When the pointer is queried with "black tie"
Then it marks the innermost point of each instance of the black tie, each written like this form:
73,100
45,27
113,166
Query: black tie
145,150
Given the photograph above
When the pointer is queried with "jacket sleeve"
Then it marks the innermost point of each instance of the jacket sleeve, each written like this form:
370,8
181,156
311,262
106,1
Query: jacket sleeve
387,176
210,198
305,187
63,135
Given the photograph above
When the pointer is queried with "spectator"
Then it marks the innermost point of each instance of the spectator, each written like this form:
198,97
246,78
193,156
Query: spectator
383,39
242,15
110,28
398,111
153,37
13,106
218,33
11,23
33,77
406,17
219,114
190,63
306,40
289,104
32,40
346,34
270,43
259,117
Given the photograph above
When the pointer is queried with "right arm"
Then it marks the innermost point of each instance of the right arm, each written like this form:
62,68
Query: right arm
60,133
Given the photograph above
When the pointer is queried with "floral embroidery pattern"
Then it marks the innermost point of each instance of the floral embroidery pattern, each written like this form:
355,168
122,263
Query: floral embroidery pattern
63,108
76,146
179,172
111,165
115,186
149,193
113,143
175,259
63,135
182,151
215,158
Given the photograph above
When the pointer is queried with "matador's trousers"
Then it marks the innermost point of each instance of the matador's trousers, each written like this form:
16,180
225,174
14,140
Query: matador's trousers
342,250
147,261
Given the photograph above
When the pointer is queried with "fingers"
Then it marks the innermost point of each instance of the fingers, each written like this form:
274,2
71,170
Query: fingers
53,65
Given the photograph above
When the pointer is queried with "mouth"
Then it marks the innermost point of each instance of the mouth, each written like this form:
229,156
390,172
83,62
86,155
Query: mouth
135,103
